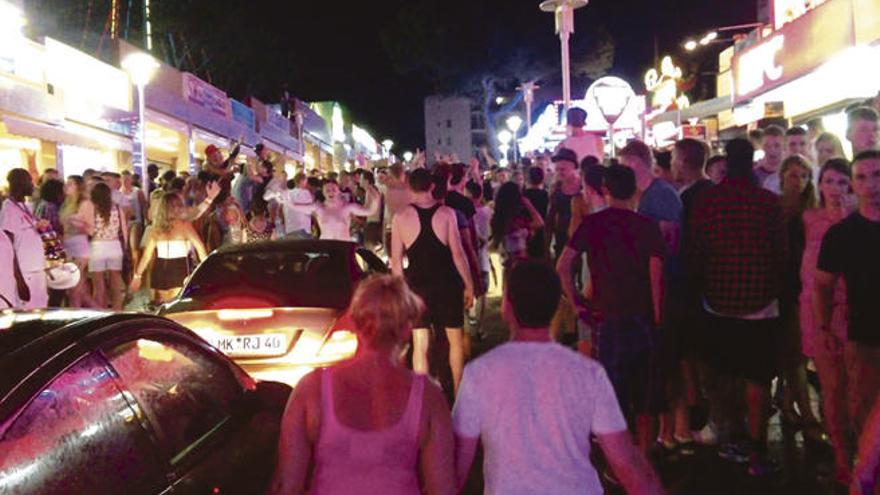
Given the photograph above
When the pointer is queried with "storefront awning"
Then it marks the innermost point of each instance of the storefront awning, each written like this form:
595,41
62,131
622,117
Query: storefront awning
699,110
76,135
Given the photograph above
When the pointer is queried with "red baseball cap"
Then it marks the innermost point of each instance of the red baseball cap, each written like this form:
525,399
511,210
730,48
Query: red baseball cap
210,150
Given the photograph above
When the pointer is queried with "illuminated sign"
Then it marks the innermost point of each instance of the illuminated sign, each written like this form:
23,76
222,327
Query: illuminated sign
785,11
242,114
363,138
795,50
205,95
758,63
664,86
86,81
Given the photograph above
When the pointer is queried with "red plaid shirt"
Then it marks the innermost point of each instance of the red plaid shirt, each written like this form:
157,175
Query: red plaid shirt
738,247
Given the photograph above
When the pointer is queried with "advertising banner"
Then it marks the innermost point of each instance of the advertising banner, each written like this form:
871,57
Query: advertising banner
204,95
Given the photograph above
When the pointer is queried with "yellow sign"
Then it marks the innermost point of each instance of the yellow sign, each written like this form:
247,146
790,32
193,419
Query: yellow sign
664,85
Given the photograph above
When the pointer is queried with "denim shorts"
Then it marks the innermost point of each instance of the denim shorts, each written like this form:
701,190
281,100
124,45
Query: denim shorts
628,349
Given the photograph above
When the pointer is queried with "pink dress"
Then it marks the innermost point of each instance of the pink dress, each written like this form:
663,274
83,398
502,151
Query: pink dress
349,460
817,222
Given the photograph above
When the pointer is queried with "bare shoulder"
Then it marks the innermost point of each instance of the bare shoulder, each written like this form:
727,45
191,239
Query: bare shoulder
446,213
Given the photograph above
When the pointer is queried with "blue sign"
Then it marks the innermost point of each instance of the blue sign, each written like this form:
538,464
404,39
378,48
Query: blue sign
243,114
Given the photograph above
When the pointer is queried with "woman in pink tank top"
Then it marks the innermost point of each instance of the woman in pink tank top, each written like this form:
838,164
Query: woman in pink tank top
369,425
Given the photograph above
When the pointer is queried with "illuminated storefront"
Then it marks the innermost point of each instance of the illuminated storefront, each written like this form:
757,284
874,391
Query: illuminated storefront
817,63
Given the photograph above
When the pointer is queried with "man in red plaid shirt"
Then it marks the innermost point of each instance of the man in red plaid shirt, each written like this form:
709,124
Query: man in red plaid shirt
737,254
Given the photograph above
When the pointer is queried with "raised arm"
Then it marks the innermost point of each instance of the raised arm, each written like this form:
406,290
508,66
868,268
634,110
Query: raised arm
368,209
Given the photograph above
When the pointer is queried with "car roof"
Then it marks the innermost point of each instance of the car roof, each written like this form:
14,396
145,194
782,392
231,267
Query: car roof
29,339
286,245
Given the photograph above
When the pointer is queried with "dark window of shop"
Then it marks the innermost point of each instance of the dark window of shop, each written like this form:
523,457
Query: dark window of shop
449,141
184,393
79,435
448,124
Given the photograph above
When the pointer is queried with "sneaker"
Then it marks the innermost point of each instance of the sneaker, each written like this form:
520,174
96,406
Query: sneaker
707,436
733,453
761,465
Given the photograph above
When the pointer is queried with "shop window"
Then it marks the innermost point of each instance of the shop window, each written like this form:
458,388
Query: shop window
448,124
449,141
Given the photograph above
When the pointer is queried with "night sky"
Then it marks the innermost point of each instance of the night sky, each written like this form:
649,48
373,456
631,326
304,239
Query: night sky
392,104
334,50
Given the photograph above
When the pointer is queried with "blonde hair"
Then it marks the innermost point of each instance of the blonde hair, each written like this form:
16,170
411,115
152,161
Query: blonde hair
383,308
165,218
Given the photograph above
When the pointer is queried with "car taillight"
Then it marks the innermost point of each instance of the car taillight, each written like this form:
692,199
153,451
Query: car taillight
340,345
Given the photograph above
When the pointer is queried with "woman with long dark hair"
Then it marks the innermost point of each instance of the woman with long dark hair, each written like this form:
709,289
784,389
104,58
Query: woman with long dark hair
514,221
109,235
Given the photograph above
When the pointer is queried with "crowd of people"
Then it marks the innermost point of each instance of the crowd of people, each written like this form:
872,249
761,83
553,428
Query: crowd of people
683,280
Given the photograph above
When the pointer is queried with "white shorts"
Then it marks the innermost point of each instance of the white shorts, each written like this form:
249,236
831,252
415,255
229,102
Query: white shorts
77,246
105,256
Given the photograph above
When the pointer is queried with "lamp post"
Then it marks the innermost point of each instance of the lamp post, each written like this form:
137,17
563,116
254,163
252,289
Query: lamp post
528,90
514,122
141,67
564,12
407,156
504,137
387,144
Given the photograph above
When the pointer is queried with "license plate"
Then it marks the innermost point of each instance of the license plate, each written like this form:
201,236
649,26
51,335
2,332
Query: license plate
269,344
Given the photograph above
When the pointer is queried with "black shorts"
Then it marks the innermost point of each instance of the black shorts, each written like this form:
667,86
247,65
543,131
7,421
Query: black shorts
746,349
169,273
444,305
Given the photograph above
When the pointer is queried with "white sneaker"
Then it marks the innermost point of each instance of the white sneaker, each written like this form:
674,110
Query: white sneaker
707,436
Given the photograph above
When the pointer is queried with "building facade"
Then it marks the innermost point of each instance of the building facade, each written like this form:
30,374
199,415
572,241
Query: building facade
449,127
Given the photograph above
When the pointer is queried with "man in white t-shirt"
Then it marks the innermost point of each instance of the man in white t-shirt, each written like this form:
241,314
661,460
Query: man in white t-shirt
534,405
296,225
583,143
17,219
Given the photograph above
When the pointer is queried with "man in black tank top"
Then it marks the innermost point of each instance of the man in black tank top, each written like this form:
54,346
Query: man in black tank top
426,232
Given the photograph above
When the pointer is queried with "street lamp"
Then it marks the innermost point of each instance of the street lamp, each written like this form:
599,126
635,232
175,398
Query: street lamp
141,67
564,12
504,137
407,156
387,145
528,90
514,122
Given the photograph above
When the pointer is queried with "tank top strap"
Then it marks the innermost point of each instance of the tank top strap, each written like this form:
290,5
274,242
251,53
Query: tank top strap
414,407
426,214
328,415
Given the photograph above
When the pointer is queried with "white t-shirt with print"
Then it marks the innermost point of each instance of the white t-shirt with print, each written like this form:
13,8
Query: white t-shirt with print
534,406
293,220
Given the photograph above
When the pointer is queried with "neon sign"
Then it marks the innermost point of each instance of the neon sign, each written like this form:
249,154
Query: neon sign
664,86
759,63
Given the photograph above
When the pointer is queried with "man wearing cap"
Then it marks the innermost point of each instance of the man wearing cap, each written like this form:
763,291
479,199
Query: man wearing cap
215,163
583,143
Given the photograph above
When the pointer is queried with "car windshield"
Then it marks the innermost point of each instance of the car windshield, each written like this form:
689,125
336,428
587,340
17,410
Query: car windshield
301,278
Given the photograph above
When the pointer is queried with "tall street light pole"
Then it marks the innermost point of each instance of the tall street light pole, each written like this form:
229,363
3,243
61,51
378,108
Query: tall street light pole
528,90
564,12
141,67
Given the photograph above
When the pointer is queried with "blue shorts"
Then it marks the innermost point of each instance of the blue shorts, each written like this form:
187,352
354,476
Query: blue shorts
628,349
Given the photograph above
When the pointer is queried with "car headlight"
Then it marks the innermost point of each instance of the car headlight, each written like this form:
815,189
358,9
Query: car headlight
339,346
